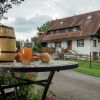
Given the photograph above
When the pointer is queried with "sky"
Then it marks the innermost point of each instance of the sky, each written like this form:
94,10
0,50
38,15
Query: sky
31,14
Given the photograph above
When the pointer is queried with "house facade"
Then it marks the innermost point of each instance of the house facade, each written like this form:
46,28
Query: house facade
80,33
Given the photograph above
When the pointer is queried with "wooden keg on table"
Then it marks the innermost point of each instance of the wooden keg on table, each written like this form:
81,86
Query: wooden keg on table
7,44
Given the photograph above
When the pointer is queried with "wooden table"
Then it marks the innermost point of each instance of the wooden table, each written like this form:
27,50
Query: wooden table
52,67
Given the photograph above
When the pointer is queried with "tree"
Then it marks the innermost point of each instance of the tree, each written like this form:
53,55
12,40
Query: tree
43,27
35,39
37,44
5,5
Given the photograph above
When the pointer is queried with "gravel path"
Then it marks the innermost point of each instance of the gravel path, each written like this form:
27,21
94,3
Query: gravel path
70,85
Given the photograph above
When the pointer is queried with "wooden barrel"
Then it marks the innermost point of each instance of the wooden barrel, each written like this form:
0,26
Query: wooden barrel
7,44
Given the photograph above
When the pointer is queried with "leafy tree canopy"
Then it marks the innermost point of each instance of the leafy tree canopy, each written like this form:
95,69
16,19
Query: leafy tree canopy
35,39
37,44
43,27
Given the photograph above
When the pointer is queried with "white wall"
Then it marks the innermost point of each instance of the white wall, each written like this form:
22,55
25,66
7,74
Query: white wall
88,46
82,50
64,44
97,48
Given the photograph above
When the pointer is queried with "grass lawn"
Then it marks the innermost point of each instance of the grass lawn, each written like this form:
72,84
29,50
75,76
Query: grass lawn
84,67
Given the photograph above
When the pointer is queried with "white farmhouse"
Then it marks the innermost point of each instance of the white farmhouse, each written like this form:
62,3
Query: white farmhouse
80,33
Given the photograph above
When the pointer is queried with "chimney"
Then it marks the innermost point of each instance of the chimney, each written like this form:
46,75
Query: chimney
40,34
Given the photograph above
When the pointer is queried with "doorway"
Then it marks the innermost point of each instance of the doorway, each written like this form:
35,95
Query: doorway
69,45
95,55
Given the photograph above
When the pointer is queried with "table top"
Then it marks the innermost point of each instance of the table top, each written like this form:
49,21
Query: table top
38,66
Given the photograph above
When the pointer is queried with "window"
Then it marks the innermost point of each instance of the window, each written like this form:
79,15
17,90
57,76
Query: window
80,43
57,44
70,29
94,43
48,33
95,55
74,29
99,53
52,32
66,30
61,22
89,17
62,30
57,31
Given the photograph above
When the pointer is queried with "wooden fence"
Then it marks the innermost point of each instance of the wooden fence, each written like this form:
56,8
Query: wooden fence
69,55
81,56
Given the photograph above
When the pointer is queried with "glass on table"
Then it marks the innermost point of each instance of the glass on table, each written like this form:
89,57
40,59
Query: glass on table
26,54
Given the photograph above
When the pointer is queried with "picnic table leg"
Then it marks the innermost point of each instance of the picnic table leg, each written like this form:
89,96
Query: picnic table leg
15,88
3,93
16,94
47,84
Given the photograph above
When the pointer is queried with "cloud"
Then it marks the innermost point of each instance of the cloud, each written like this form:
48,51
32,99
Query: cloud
79,6
53,8
32,13
22,24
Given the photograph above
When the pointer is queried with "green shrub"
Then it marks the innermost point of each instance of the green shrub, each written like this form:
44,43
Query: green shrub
24,92
36,48
29,92
5,78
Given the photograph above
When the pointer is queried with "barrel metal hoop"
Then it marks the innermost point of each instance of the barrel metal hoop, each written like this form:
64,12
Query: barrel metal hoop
8,52
8,37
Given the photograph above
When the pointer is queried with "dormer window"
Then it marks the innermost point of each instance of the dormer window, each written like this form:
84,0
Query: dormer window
57,31
51,32
74,29
70,29
89,17
61,22
66,30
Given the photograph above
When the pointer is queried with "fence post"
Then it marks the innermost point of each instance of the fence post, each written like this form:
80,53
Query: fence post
90,59
76,56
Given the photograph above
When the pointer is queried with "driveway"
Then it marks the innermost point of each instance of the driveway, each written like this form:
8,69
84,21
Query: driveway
70,85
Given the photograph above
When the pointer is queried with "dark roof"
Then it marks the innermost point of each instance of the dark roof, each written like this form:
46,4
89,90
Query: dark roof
88,22
60,36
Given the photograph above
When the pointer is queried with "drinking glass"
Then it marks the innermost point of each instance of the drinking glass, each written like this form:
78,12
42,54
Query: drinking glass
26,54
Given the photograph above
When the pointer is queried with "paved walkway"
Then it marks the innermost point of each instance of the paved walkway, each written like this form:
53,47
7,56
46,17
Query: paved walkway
70,85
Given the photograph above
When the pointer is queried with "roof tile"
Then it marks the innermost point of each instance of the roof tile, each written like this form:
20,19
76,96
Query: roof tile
89,24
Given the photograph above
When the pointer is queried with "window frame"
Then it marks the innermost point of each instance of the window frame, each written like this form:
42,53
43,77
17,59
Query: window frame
70,29
57,31
80,43
66,30
94,43
74,29
57,44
